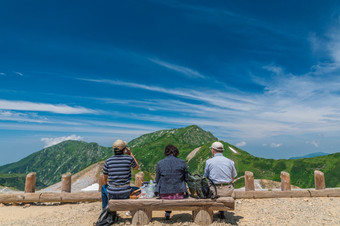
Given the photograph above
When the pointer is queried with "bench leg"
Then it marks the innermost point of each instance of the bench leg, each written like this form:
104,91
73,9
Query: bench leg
203,216
141,217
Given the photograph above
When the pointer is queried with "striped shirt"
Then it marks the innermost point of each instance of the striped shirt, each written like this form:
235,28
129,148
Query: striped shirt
220,169
118,169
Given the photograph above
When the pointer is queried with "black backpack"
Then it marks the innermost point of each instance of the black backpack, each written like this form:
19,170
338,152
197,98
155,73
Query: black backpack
106,217
201,187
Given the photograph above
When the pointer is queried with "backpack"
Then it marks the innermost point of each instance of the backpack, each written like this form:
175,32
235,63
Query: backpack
106,217
201,187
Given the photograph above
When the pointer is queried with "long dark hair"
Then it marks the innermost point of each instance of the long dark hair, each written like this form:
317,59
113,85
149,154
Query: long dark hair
171,150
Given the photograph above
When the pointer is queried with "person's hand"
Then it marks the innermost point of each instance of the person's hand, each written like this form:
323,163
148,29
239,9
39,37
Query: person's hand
127,151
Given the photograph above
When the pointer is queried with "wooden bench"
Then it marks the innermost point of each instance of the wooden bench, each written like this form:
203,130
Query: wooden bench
202,209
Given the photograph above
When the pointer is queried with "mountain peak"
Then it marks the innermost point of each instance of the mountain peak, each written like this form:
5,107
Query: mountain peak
193,135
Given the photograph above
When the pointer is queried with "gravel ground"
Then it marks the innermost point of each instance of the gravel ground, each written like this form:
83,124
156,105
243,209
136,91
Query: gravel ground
283,211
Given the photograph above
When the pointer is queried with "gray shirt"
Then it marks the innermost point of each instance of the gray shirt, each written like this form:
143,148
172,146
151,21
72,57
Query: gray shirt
220,169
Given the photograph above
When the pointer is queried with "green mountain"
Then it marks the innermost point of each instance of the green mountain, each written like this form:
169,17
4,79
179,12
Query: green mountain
50,163
301,170
74,156
312,155
149,148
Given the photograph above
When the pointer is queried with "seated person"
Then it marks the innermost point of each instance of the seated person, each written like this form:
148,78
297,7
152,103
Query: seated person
171,175
221,171
117,173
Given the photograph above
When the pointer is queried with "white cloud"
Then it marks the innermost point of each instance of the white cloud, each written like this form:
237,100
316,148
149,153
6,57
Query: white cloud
53,141
275,145
18,73
272,68
21,117
31,106
241,144
334,44
216,98
2,73
315,143
184,70
280,110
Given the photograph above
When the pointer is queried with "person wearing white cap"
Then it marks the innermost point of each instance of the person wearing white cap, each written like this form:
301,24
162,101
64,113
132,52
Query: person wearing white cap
221,171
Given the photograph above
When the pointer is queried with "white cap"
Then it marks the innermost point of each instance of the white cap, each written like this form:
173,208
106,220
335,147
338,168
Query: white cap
218,146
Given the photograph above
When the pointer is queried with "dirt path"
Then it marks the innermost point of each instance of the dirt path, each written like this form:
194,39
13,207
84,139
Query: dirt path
284,211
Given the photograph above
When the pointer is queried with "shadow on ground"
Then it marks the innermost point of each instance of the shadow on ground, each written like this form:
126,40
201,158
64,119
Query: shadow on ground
186,219
230,218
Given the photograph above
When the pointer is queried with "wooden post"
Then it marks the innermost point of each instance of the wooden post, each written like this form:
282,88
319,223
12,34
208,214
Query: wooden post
203,216
249,181
139,178
141,217
66,182
101,182
30,183
319,179
285,181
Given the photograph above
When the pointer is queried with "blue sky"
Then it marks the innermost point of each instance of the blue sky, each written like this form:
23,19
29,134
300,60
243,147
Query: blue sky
262,75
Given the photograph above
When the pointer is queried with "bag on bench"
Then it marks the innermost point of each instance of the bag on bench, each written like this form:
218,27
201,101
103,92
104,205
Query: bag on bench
201,187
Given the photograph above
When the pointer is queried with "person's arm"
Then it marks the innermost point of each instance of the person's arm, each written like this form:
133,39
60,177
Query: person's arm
129,152
105,178
105,172
234,173
206,170
158,173
186,173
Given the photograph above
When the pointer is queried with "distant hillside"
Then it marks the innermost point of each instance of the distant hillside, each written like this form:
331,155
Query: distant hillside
312,155
74,156
301,170
50,163
149,148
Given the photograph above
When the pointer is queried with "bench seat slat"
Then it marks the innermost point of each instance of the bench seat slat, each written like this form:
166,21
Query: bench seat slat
223,203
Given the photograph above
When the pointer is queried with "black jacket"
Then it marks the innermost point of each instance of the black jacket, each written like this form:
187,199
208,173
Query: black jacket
171,175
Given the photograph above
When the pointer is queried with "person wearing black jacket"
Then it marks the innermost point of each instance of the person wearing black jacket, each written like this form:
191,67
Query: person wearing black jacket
171,175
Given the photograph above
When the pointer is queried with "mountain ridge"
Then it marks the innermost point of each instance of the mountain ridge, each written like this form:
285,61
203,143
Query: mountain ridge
73,156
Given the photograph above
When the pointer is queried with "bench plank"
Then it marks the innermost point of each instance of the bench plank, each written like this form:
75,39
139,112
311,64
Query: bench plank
223,203
202,209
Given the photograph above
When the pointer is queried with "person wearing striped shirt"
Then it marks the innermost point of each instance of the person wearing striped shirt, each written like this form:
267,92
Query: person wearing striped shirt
117,173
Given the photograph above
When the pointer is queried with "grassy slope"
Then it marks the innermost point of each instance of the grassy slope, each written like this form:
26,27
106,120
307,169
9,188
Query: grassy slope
149,148
50,163
301,170
73,156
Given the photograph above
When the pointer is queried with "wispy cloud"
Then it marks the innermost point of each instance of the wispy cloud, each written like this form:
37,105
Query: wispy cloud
86,129
53,141
31,106
280,109
18,73
21,117
217,98
183,70
222,16
2,74
275,145
333,45
314,143
241,144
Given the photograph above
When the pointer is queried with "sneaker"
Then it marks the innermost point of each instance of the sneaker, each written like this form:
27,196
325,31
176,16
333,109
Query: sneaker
167,216
128,213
